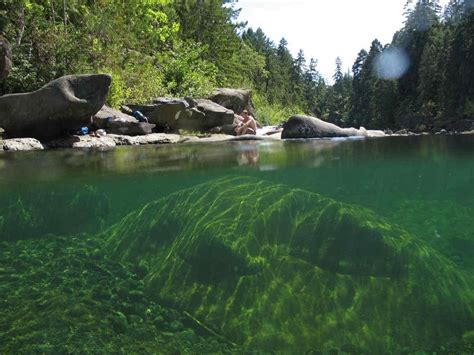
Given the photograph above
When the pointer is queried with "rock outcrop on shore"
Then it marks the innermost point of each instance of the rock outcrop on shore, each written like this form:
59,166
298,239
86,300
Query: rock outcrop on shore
173,114
300,126
64,105
20,144
112,140
116,122
236,100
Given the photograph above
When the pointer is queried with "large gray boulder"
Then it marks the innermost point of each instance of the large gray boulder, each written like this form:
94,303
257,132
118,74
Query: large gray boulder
216,115
236,100
5,57
300,126
116,122
20,144
63,105
164,112
194,115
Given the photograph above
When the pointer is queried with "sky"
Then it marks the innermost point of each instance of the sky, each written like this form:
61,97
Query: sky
326,29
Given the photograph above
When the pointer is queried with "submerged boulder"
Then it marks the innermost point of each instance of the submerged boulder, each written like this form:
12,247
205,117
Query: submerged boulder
289,270
236,100
63,105
5,58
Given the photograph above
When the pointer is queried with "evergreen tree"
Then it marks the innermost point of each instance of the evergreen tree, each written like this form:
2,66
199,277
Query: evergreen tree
459,95
358,97
338,96
413,37
297,78
431,72
338,76
313,85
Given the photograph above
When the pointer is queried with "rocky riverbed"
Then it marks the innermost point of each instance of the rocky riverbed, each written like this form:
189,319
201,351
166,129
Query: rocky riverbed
63,294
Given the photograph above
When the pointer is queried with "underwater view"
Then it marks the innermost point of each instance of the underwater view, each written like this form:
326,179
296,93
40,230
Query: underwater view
304,246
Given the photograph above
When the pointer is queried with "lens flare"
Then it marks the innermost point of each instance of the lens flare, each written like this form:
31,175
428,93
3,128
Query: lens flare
392,63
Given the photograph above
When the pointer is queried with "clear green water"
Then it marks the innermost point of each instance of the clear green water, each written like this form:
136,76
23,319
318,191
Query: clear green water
356,246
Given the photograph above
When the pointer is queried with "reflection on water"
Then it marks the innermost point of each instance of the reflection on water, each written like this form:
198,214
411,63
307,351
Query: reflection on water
249,154
307,245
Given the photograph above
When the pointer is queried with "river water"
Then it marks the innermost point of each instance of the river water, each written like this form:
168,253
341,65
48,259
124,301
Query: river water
349,245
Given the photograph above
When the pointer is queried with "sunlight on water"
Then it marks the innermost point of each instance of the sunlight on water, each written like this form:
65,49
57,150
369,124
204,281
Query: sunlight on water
318,245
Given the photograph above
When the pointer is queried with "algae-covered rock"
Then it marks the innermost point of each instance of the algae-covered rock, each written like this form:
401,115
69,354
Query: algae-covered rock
276,268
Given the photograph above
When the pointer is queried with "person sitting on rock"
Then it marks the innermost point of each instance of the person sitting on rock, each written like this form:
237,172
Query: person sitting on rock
247,124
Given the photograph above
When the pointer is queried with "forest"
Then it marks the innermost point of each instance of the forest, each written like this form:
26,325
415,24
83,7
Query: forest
156,48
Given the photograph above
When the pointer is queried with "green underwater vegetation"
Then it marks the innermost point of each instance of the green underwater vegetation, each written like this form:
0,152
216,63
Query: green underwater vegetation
276,268
64,295
234,263
64,212
454,238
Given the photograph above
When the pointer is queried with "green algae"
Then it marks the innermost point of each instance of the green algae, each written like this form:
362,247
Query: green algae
64,212
63,295
446,226
277,268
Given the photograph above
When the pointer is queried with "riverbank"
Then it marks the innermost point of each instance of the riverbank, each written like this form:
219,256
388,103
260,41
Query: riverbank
109,141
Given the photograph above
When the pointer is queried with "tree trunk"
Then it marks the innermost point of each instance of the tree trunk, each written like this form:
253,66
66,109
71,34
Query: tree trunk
65,16
21,25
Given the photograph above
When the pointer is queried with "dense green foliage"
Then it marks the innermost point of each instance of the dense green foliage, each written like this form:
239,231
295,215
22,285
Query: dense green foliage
188,47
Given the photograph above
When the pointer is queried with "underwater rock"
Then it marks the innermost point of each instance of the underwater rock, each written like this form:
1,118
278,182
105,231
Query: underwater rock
271,267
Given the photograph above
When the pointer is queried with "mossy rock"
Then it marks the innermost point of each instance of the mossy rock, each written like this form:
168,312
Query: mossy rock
275,268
